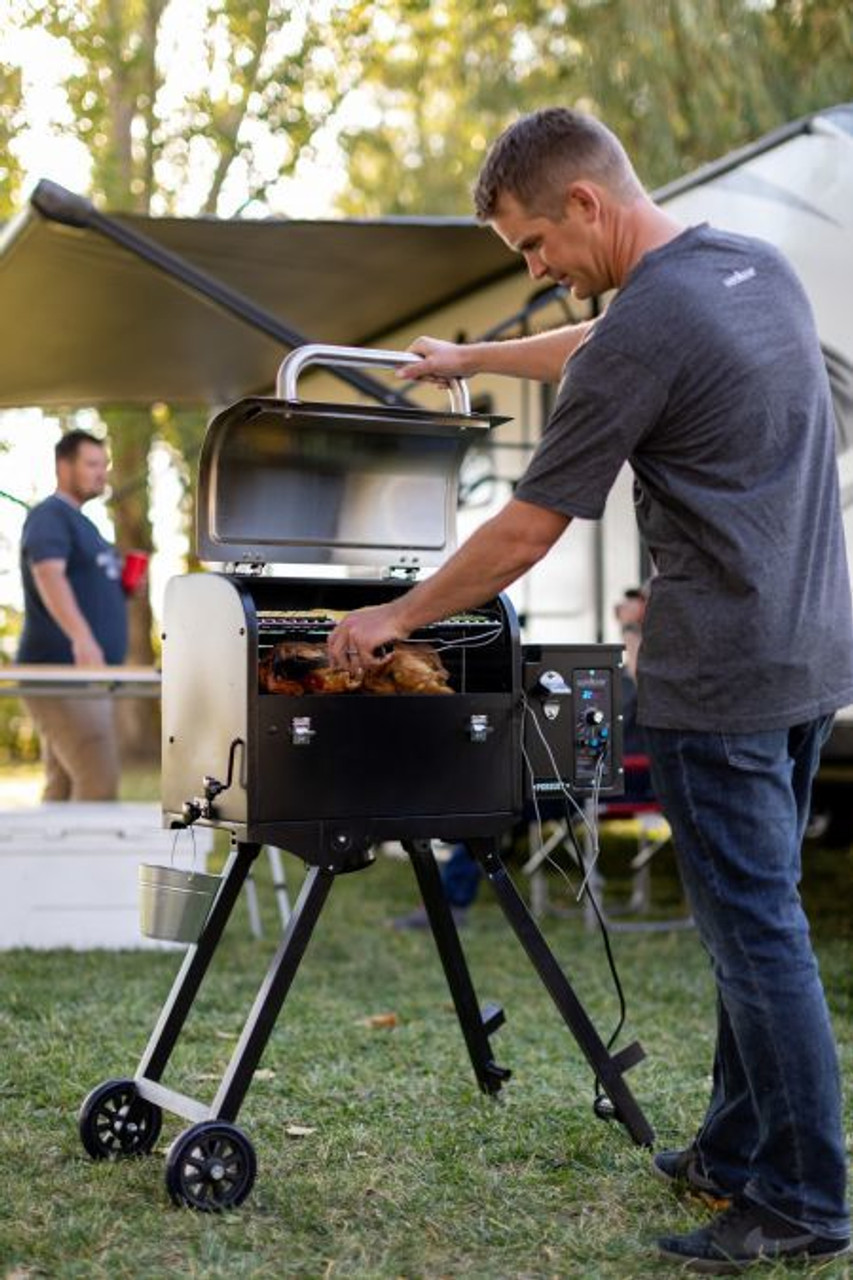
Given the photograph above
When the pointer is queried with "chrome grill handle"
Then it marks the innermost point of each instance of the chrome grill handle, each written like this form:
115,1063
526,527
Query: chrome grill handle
359,358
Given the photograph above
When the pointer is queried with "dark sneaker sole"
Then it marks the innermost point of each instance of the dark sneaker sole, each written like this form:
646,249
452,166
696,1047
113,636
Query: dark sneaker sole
730,1267
717,1199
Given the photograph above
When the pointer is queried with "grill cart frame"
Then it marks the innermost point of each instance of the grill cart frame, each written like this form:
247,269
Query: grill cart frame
517,715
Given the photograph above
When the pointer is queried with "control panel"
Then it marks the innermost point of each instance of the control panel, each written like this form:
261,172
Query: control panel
592,704
572,718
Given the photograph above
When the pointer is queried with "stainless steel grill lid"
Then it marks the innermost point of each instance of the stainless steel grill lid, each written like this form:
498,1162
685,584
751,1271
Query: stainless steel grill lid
293,482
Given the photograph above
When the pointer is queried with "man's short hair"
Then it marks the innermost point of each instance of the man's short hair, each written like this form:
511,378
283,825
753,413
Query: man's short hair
69,445
536,158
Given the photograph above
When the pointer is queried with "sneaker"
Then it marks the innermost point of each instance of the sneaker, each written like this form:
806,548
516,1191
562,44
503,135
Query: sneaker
747,1233
418,919
683,1171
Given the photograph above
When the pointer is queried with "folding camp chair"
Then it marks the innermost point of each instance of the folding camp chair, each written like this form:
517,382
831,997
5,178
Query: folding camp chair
637,816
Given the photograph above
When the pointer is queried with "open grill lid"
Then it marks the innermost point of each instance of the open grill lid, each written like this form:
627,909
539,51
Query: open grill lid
293,482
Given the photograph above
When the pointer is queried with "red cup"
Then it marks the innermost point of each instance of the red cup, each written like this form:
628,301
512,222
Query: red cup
134,569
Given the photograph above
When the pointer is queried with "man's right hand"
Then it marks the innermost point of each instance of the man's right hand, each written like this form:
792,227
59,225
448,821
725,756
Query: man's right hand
541,356
61,603
87,652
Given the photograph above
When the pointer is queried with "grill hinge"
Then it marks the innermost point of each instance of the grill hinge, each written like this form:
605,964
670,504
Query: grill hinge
406,569
250,569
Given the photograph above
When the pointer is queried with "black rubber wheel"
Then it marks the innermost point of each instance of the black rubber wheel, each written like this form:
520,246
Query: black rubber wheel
114,1121
211,1167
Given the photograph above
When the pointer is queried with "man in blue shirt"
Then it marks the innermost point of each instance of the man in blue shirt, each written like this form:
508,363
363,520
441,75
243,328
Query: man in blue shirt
74,613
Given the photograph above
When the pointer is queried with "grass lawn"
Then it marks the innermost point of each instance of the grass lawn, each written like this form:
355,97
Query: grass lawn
402,1169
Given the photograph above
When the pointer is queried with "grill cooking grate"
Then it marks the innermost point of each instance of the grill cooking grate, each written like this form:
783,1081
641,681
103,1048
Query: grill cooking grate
283,622
451,638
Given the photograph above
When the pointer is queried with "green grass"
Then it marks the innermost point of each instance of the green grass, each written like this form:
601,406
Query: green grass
140,782
22,784
408,1171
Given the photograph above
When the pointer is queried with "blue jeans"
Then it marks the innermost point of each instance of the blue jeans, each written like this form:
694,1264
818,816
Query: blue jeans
738,806
460,877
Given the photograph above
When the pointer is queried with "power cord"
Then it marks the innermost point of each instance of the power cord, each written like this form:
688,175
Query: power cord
602,1106
476,641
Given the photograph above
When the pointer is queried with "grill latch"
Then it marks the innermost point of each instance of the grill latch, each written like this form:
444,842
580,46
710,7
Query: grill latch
479,728
301,732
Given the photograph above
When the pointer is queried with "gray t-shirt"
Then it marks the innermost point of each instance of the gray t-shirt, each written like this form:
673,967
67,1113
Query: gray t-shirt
706,374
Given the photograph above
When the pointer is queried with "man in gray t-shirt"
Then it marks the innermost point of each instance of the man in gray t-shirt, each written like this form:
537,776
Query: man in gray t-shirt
730,433
705,374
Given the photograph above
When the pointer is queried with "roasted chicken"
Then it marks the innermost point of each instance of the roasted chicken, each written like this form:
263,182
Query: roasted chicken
295,667
410,668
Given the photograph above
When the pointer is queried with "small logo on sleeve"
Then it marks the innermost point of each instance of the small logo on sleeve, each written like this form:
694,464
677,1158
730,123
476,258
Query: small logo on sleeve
739,277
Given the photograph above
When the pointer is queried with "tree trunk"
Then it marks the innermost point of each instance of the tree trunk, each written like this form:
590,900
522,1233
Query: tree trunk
130,436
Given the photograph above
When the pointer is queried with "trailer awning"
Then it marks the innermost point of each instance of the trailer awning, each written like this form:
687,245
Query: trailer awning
126,309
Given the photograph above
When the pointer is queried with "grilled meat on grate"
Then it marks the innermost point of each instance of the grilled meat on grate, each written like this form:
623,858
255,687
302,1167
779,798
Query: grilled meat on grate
296,667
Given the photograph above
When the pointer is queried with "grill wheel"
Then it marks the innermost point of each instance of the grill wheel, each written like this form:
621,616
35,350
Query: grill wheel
210,1167
114,1121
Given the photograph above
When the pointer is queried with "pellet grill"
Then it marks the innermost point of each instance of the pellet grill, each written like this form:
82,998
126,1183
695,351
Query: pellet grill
328,775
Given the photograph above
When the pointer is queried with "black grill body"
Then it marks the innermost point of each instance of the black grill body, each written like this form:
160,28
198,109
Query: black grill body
325,775
289,483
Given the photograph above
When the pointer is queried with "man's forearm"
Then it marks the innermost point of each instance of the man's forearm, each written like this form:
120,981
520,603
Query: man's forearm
498,553
466,580
60,602
540,356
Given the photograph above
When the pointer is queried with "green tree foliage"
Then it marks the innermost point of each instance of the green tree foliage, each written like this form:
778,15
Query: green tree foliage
10,123
439,81
681,81
204,120
18,742
163,111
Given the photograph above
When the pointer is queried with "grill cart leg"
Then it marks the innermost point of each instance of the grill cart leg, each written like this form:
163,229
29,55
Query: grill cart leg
272,993
476,1025
123,1117
261,1019
196,963
608,1069
211,1165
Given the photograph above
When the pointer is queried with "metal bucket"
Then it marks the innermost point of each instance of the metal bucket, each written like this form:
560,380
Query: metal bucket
174,904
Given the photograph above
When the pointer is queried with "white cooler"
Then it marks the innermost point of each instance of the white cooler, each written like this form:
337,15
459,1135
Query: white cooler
69,873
